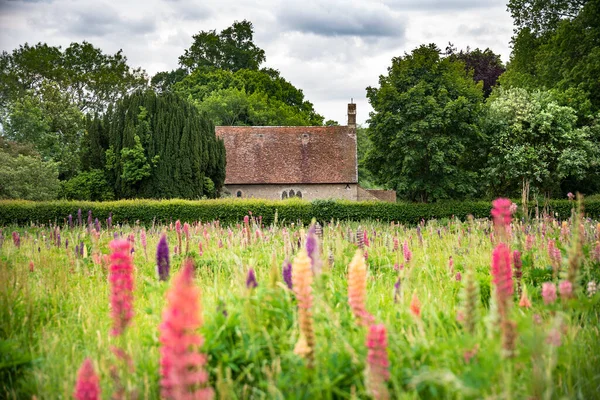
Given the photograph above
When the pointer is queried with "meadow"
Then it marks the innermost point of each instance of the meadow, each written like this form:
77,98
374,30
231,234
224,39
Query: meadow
481,308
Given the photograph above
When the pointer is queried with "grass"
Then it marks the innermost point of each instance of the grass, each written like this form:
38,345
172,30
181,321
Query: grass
55,316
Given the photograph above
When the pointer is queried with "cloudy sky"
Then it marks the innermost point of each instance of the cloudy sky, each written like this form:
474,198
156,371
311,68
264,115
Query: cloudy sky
331,49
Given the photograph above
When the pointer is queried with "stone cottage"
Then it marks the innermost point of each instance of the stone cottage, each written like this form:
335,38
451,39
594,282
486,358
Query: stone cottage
310,162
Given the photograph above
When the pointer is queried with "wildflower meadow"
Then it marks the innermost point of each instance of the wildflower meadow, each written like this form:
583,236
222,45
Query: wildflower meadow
502,308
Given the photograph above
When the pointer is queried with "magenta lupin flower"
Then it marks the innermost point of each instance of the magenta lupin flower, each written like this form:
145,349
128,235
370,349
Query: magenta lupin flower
88,383
548,292
181,363
502,276
377,362
501,211
121,282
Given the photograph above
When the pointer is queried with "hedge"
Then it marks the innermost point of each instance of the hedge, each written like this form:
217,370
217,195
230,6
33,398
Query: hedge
230,211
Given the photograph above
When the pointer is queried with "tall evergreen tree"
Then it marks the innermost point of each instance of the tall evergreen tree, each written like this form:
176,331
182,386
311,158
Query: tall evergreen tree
159,146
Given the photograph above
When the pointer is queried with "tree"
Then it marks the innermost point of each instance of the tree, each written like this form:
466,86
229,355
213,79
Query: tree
556,47
534,143
486,66
90,78
424,127
232,49
160,146
27,177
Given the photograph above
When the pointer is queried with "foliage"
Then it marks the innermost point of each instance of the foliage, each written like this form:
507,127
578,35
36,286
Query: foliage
534,139
229,211
556,47
363,146
249,334
27,177
89,78
486,66
158,146
89,185
424,128
247,97
48,121
232,49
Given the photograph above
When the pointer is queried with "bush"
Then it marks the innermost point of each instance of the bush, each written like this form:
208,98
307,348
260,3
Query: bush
27,177
230,211
89,185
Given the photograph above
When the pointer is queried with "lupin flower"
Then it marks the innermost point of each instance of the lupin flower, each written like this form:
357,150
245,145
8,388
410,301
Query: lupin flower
501,211
396,244
79,217
377,373
89,220
313,251
548,292
16,239
529,242
502,277
109,220
524,301
178,231
88,383
397,290
357,288
406,252
302,278
143,242
121,281
287,274
570,196
415,306
458,276
251,282
518,270
451,264
565,288
163,265
592,288
181,363
186,232
70,219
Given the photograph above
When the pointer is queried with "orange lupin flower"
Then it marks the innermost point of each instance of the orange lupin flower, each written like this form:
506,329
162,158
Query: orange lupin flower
357,288
181,362
302,280
415,306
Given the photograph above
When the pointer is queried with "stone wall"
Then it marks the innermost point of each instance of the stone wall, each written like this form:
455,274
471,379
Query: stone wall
308,191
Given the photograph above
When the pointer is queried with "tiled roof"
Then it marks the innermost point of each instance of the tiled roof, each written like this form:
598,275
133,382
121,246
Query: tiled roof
289,154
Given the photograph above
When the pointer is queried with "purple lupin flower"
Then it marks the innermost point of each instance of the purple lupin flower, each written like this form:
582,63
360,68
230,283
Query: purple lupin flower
162,258
312,249
89,221
109,220
70,219
287,273
66,244
97,225
251,282
115,235
79,218
57,239
397,288
81,249
76,251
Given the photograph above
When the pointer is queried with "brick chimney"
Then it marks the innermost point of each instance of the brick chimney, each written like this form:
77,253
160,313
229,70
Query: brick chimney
352,114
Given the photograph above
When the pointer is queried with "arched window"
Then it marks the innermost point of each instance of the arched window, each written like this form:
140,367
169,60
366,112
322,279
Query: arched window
299,194
292,193
284,195
239,193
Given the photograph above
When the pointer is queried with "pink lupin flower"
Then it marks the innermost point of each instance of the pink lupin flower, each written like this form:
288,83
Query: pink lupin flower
501,211
200,250
121,281
529,241
458,276
377,362
565,288
548,292
451,264
502,276
178,231
181,362
406,252
88,383
144,242
31,266
415,306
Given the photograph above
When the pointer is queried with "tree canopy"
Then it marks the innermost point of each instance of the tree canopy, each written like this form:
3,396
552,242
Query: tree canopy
424,129
485,65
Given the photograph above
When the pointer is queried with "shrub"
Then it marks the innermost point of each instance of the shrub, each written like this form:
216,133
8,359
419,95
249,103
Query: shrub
89,185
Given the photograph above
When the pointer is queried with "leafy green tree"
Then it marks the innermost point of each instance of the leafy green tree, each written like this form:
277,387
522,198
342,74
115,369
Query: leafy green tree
89,185
424,127
556,47
232,49
363,147
90,78
160,146
51,123
534,143
27,177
